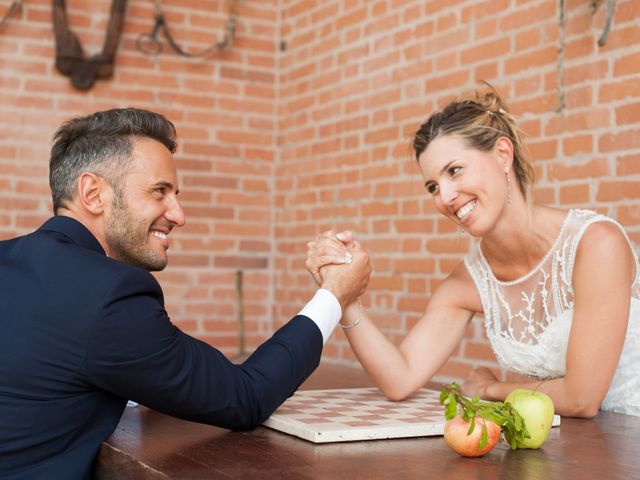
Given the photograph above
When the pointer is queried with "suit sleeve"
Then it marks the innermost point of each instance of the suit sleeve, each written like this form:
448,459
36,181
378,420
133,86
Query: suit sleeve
138,354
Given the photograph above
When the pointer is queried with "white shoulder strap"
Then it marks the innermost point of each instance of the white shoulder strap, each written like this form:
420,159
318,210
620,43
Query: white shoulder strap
581,221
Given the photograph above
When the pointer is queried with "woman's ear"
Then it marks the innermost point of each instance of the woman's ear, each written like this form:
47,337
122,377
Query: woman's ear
93,193
504,152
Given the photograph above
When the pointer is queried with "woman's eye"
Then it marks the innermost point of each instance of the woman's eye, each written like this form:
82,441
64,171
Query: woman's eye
432,188
453,170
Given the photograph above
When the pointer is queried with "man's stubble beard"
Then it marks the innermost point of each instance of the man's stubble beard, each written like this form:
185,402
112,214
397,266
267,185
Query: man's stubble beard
127,236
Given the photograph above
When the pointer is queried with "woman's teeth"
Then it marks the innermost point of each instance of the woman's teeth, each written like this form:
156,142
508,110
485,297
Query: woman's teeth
464,211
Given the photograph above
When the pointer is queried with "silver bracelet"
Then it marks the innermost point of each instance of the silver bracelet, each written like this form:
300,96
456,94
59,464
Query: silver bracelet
357,321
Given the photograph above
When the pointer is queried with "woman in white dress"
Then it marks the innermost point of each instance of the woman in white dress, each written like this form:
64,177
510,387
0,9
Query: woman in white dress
559,290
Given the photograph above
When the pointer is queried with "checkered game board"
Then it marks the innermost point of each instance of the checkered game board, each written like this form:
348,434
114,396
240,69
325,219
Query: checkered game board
342,415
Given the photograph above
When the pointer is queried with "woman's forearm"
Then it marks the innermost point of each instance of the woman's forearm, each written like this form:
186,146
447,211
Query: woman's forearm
567,401
401,370
380,358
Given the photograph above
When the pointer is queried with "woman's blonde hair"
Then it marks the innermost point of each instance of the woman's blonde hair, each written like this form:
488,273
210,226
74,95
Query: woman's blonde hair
480,122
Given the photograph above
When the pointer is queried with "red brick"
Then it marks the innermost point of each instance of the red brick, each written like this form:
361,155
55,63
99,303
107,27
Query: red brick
544,195
628,165
350,19
580,47
528,39
486,8
628,114
619,141
240,262
414,265
611,191
571,122
543,150
628,215
586,72
526,61
577,144
486,51
413,304
575,194
447,82
628,87
478,351
444,246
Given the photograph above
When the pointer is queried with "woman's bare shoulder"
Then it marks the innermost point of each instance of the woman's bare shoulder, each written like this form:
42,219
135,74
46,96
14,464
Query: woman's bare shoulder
603,237
604,245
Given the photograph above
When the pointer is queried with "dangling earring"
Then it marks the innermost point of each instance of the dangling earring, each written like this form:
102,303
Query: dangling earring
506,172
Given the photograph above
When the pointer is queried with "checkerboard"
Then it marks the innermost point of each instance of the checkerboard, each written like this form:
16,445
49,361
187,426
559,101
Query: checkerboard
341,415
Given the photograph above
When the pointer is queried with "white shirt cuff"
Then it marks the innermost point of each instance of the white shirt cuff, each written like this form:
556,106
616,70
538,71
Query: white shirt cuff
324,309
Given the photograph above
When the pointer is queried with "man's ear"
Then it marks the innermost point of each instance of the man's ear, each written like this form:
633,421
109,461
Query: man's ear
94,193
504,152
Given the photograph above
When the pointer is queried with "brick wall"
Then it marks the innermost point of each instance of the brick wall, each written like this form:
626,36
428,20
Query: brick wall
306,125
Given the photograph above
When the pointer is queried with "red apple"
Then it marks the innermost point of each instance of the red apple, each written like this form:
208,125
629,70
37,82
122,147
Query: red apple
456,438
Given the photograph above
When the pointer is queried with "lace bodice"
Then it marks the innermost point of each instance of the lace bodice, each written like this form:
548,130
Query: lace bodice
528,320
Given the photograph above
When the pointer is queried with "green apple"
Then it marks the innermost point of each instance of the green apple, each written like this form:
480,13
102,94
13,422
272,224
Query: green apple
536,409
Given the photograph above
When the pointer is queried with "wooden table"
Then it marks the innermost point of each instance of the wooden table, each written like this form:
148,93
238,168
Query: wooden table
149,445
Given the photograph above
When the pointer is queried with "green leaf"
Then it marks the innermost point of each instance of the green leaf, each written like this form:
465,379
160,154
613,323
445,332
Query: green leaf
472,425
485,435
451,407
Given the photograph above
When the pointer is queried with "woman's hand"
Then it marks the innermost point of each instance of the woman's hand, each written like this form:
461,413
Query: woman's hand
477,382
329,248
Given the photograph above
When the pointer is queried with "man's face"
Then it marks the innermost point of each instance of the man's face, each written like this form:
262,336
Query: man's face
144,212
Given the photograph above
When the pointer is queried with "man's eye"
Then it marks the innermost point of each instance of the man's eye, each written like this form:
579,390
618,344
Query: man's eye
432,188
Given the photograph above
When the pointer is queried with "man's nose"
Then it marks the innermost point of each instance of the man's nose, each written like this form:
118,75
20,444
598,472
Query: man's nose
175,214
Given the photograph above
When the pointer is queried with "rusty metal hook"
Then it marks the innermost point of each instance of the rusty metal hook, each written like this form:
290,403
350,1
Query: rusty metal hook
149,43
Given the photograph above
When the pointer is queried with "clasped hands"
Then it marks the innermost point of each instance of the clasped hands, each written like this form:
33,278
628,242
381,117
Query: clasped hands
339,264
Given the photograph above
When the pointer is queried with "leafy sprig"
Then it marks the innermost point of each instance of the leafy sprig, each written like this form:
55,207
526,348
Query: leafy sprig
503,414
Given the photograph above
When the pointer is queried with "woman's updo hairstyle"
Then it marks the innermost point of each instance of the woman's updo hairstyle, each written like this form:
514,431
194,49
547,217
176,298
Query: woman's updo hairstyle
480,122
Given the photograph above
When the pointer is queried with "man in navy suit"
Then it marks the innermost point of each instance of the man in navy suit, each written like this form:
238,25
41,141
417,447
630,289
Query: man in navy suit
83,326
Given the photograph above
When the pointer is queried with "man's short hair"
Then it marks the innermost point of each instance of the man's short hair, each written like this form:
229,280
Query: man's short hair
101,143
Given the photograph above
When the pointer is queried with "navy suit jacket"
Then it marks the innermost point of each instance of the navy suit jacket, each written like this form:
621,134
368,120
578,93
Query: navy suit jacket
81,333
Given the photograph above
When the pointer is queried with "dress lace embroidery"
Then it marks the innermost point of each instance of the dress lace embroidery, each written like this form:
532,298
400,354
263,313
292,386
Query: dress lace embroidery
528,320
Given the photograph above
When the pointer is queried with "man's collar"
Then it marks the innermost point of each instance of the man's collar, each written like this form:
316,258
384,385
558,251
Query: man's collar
74,231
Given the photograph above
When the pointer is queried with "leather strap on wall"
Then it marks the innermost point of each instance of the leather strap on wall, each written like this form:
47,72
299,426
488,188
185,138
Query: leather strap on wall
70,58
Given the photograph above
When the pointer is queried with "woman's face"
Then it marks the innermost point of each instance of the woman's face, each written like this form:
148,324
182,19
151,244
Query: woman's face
468,186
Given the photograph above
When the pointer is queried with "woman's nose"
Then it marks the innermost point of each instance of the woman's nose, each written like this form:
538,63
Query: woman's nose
448,193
